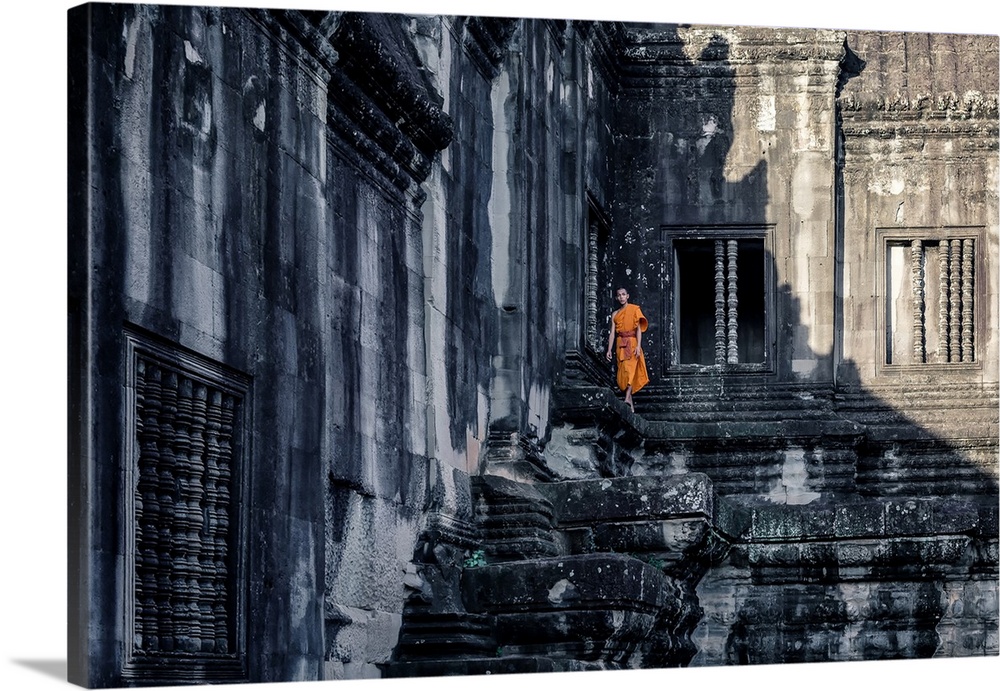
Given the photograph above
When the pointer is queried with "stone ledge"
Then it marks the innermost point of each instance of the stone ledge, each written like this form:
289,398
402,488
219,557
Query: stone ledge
642,499
906,556
632,498
883,518
599,581
497,665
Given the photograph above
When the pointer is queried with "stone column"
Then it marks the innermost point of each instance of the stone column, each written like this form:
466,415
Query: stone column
917,278
968,353
732,356
944,298
592,331
720,303
954,309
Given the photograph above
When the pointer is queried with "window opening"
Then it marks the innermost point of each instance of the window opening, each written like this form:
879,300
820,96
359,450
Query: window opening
184,548
720,301
929,288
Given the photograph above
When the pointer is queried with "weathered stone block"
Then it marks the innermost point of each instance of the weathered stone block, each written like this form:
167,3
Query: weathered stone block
776,522
954,516
251,185
859,520
564,582
592,607
908,517
818,522
629,497
676,537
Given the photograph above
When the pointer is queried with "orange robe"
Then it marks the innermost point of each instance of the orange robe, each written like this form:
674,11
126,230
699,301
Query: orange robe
631,364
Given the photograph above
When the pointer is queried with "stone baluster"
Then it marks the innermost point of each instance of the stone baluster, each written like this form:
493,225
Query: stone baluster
955,297
219,428
216,508
206,553
223,539
944,299
720,303
732,355
917,284
188,520
167,488
968,352
183,518
147,507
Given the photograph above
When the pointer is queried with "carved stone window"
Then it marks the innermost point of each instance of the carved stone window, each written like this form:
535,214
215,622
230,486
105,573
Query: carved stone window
719,297
930,297
184,552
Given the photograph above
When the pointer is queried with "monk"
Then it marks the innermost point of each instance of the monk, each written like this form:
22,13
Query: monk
628,323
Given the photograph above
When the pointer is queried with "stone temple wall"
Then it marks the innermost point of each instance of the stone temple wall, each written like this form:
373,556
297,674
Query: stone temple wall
919,154
919,237
338,295
726,131
235,211
201,200
250,193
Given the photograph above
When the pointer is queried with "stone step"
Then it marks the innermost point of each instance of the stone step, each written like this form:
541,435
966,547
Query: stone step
595,607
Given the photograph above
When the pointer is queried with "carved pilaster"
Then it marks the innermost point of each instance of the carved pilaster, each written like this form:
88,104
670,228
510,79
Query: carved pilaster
732,355
917,278
944,299
592,335
954,305
968,352
720,303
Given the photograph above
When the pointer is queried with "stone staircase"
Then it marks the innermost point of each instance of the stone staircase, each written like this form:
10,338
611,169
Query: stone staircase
724,525
592,574
923,440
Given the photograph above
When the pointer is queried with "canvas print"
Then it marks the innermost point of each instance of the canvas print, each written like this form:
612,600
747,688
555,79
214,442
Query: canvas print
417,345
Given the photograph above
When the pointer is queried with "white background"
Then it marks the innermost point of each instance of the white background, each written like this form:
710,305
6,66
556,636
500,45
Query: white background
33,374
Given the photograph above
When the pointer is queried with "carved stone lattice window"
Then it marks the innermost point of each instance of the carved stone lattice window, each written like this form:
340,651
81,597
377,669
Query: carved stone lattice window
719,297
184,606
930,299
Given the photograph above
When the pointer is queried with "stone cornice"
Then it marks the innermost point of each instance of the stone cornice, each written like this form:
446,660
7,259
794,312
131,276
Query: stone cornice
971,106
299,38
962,125
669,57
379,70
557,30
685,46
607,41
376,104
486,41
964,135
